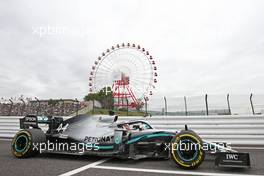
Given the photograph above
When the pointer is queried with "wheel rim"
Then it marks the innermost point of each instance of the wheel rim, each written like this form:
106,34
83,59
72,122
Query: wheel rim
21,143
189,154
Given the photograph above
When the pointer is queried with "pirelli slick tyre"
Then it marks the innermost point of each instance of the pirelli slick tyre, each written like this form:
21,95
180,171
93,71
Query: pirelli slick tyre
186,150
22,144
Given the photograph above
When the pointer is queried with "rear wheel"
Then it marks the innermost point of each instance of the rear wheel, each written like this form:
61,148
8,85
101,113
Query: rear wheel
186,150
22,144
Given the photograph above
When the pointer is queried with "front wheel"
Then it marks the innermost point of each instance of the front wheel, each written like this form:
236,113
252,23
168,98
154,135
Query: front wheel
186,150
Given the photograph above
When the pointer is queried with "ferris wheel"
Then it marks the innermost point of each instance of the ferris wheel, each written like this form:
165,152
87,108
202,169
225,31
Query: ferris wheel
128,69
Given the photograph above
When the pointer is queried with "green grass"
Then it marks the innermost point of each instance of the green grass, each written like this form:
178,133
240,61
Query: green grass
119,113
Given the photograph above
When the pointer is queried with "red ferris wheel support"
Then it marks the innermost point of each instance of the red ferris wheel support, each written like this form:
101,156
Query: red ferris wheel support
122,94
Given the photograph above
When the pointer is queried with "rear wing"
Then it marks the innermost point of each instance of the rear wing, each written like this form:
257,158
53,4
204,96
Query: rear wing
33,121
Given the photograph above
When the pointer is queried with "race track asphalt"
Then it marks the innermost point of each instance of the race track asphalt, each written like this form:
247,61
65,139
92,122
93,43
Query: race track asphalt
55,164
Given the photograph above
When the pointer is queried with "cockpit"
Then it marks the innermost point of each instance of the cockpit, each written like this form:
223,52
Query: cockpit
135,126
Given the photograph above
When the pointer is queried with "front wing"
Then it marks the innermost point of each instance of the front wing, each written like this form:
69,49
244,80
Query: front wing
234,159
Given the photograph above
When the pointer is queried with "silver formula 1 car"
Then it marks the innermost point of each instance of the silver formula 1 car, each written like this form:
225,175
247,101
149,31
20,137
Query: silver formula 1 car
108,136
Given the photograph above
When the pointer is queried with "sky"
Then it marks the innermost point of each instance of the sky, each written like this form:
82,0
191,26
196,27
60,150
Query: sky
47,47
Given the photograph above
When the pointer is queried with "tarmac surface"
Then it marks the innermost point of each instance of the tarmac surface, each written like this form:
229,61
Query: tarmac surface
65,165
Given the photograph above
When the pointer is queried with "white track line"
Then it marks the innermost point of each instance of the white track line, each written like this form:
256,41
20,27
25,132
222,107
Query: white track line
249,148
75,171
5,139
167,171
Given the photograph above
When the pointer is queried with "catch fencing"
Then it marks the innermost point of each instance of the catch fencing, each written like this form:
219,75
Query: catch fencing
206,105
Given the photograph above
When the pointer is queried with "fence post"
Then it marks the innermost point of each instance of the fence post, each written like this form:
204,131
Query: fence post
127,105
38,105
165,108
63,107
52,106
206,104
23,108
77,106
228,104
185,105
10,109
146,106
93,107
251,103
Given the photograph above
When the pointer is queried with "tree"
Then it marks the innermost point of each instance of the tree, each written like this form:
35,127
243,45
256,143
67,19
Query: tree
104,96
91,96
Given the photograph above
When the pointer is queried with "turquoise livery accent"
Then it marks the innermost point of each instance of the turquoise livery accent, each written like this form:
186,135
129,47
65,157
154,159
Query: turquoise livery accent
106,147
150,136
